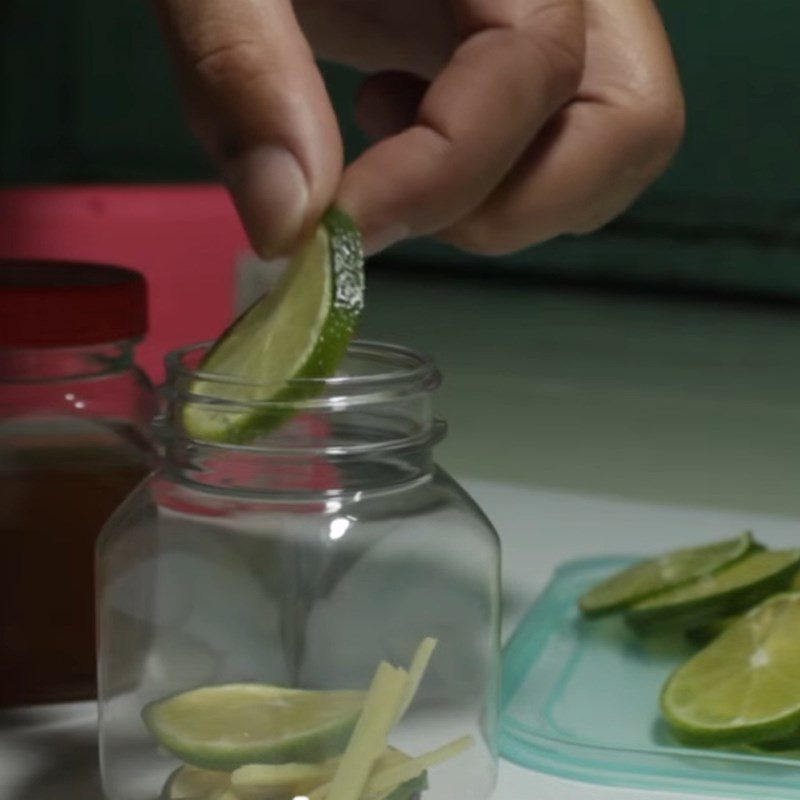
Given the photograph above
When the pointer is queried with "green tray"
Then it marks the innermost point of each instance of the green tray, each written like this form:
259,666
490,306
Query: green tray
580,700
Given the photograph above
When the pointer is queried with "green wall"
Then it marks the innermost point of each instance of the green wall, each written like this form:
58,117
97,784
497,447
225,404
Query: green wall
85,96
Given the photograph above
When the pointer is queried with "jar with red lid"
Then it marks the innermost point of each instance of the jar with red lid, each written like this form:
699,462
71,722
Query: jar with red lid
74,417
317,606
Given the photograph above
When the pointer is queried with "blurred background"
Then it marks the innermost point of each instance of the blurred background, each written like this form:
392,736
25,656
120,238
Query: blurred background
85,97
655,359
610,393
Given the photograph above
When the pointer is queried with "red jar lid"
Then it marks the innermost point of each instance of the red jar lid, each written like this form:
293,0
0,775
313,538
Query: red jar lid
68,304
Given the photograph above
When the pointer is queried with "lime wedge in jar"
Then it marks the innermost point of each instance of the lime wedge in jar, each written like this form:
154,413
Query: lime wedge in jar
226,727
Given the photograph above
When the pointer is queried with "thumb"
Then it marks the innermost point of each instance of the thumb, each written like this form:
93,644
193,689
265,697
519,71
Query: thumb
257,102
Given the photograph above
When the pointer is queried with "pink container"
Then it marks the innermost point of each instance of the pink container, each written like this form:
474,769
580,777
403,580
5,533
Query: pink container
184,238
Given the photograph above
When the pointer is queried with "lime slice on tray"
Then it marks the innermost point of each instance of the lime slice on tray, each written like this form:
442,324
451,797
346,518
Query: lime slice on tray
703,634
782,748
664,572
226,727
745,686
300,330
734,588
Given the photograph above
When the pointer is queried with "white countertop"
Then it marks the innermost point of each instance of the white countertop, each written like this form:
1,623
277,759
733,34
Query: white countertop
50,754
584,425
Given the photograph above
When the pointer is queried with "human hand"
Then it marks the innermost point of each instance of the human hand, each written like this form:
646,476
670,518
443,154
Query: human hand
497,123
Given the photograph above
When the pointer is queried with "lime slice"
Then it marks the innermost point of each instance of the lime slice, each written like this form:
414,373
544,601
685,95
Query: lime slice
191,783
657,574
745,686
788,747
226,727
298,331
273,781
703,634
735,588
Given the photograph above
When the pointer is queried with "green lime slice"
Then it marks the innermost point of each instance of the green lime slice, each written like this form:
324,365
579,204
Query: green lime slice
734,588
703,634
191,783
299,331
226,727
649,577
745,686
786,747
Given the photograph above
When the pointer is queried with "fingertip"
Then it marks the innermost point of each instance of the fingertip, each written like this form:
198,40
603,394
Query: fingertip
271,193
376,234
381,238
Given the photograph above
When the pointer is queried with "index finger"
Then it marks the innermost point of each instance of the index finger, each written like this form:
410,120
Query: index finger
258,104
518,62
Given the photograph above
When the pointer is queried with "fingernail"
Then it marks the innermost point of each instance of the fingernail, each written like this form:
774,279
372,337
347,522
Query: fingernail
380,239
271,193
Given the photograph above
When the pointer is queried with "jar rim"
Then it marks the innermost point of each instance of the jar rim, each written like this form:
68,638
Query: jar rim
397,370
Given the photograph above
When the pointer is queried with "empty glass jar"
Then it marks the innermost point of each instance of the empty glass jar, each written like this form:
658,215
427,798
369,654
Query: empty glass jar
249,594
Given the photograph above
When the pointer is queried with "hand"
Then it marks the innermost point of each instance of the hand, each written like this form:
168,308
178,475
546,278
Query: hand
498,123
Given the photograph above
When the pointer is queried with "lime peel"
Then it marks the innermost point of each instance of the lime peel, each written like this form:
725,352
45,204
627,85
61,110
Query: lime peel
737,587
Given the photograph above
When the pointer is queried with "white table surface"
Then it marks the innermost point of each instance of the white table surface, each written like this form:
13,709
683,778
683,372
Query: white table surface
584,425
49,754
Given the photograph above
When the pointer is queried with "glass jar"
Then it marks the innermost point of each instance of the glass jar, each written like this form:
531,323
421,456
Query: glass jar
74,411
302,559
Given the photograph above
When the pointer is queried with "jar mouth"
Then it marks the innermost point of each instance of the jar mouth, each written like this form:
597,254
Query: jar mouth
370,370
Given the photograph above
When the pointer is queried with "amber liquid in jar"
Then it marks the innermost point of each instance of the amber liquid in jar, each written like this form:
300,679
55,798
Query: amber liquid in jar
60,480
